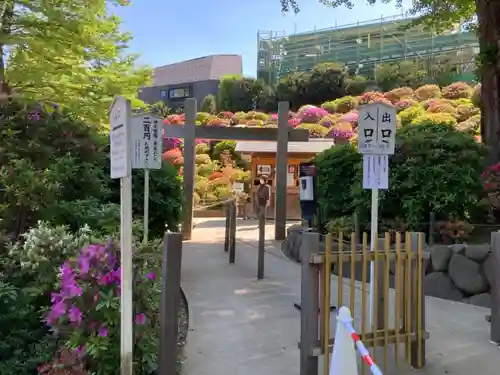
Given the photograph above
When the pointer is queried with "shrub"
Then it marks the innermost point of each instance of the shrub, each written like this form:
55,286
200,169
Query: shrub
209,104
476,95
351,118
256,123
170,143
218,122
202,159
172,154
220,147
329,106
427,92
204,118
312,114
226,115
471,125
341,129
398,94
438,169
336,168
373,97
427,119
403,104
254,115
465,111
442,108
86,307
175,119
329,120
202,148
294,122
346,104
315,130
409,114
457,90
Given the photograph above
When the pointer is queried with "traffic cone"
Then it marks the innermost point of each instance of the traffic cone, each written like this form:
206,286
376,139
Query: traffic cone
343,360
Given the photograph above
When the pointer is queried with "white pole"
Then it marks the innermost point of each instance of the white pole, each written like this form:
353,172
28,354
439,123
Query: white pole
126,277
373,243
146,205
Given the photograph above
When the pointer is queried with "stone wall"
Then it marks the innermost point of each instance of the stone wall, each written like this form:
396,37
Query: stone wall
459,272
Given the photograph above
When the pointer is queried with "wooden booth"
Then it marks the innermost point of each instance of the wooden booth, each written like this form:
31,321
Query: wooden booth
263,161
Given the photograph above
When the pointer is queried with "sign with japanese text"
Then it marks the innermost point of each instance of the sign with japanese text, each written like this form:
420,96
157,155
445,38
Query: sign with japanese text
375,172
147,141
119,137
376,129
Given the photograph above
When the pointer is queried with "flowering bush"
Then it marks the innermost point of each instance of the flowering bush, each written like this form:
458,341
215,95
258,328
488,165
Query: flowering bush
427,92
466,111
330,107
346,104
218,122
341,129
255,123
175,119
254,115
172,154
293,122
351,118
404,104
170,143
476,96
398,94
226,114
373,97
315,130
85,310
427,119
457,90
329,120
437,107
471,125
411,113
204,117
312,114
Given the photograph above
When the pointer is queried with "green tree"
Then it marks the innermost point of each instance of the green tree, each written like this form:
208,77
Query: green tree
406,73
71,53
209,104
239,93
443,14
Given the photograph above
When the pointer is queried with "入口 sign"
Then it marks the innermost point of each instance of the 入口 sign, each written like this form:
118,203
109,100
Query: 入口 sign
147,141
376,129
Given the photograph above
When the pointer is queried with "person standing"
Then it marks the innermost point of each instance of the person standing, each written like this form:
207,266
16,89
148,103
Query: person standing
263,195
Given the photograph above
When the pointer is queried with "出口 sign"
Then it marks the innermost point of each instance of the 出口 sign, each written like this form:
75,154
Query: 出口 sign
147,141
376,129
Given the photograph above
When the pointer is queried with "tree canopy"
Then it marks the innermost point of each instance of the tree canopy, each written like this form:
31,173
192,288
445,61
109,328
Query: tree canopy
72,54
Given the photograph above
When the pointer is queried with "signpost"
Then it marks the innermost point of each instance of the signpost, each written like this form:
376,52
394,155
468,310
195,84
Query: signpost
120,155
376,141
147,145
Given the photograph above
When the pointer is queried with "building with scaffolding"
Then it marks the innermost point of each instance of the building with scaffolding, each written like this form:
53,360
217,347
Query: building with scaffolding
363,46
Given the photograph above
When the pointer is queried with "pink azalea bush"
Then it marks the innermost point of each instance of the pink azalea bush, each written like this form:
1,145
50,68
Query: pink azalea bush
312,114
342,130
351,118
457,90
85,312
294,122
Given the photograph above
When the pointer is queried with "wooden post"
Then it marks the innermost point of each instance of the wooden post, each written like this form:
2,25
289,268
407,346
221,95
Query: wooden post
228,226
170,299
232,231
262,242
417,360
281,170
189,166
309,294
495,289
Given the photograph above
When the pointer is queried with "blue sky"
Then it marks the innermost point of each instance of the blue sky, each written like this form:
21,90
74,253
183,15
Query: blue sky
168,31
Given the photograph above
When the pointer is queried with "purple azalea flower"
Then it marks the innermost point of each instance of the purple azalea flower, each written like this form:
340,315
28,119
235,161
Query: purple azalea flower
84,265
79,350
151,276
140,319
103,331
75,315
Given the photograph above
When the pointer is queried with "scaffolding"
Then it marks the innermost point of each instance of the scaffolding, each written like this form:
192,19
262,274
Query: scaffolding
363,46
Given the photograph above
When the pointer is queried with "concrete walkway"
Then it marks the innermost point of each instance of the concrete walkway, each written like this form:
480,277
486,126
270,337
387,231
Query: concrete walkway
241,326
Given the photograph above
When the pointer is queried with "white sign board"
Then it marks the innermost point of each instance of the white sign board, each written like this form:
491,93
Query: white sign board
375,172
376,129
119,138
147,141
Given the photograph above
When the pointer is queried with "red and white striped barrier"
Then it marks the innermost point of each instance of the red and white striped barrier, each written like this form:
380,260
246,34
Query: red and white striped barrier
343,360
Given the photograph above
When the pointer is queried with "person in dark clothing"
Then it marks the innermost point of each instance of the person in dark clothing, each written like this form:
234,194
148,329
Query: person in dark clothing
263,195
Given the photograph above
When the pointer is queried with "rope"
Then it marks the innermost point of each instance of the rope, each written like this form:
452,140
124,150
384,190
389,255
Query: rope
365,355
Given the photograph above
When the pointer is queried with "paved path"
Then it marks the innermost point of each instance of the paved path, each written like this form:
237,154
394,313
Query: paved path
241,326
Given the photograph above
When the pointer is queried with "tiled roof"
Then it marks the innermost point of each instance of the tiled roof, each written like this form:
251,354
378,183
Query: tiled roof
314,146
200,69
